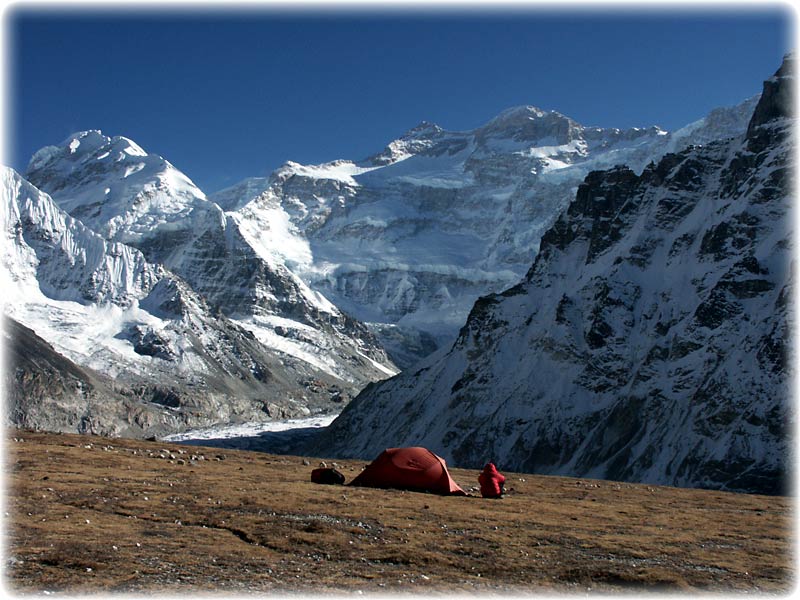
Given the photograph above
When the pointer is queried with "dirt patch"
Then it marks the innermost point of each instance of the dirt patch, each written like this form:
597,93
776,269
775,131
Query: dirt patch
88,514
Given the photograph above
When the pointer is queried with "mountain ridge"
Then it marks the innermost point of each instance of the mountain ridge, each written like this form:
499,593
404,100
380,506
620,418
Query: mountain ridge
170,360
408,238
647,342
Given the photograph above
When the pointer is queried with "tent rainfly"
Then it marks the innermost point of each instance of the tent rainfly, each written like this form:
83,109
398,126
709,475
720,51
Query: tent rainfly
414,468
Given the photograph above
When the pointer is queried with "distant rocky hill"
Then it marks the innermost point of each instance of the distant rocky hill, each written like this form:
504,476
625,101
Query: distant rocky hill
648,342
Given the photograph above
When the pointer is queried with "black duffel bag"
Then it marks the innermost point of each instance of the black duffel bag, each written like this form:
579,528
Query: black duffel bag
328,476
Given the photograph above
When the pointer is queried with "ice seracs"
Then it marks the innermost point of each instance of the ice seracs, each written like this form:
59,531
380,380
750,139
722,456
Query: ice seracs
46,249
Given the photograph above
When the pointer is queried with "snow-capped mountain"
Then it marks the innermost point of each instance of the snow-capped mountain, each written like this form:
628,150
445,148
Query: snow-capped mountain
198,310
116,188
409,238
648,341
161,355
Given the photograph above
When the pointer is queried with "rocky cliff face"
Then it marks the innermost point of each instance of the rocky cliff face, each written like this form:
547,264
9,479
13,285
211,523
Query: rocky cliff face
46,391
648,341
409,238
165,357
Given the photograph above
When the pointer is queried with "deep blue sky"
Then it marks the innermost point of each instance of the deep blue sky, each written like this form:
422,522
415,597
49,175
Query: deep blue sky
231,95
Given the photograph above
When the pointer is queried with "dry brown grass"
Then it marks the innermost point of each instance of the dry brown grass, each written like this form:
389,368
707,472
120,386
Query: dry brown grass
88,514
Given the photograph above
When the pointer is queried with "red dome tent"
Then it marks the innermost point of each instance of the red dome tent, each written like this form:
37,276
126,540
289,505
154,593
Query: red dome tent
413,468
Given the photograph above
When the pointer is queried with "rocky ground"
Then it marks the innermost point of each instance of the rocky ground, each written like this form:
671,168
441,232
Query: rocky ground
88,514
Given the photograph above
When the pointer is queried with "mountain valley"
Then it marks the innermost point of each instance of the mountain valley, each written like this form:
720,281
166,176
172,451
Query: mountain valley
648,342
576,300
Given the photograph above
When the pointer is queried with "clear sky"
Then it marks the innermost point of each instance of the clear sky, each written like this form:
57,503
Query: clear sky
225,96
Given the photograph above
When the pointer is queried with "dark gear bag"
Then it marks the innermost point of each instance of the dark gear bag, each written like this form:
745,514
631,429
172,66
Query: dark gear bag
328,476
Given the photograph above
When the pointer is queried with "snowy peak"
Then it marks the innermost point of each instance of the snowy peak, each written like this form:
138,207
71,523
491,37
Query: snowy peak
409,238
425,129
237,268
86,146
114,186
520,116
76,147
529,123
415,140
